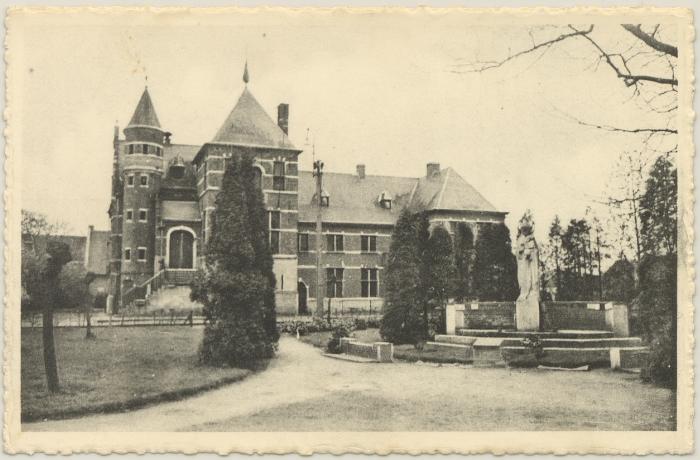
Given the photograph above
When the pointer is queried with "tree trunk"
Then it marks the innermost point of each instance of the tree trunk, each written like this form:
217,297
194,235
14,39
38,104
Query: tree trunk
88,328
49,349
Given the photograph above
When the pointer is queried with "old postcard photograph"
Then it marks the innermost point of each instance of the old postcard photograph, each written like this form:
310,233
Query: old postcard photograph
349,230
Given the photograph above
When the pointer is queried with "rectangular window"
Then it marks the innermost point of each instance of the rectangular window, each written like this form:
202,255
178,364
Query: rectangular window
142,254
129,215
368,243
334,282
369,282
130,180
274,232
143,215
144,180
278,175
275,242
131,149
334,243
127,254
145,148
139,148
303,242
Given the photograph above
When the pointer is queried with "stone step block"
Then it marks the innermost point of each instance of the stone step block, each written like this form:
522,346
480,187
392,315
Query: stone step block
607,342
629,357
456,339
450,351
487,351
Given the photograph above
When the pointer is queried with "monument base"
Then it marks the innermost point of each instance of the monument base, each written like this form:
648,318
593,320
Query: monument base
527,315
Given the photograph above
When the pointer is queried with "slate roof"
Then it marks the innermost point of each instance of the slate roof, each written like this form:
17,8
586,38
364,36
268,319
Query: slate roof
355,201
448,191
248,124
145,113
98,252
187,211
186,152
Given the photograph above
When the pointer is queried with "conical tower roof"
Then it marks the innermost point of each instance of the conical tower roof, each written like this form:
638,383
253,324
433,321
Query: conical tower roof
249,124
145,113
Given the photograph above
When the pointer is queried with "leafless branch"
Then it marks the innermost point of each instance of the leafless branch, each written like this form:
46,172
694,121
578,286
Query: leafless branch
650,39
482,66
629,78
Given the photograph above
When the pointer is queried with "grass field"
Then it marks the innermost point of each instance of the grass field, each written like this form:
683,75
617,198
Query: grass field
121,369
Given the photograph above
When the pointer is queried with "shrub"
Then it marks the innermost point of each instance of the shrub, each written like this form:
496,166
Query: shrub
360,324
339,331
73,284
657,302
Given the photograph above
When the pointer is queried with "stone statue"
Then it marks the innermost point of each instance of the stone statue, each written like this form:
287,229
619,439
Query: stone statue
527,307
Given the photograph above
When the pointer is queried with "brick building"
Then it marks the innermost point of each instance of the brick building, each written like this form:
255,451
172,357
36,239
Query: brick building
163,195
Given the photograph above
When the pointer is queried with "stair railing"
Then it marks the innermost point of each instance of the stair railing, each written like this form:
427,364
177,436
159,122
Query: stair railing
145,289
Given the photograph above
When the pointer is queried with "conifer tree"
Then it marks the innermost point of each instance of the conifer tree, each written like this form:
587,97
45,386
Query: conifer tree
438,270
495,276
463,285
402,314
235,286
260,238
659,209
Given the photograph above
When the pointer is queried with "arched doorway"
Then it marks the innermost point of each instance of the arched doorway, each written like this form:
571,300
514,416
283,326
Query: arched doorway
302,290
181,250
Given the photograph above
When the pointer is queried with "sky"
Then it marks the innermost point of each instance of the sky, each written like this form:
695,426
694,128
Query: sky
367,88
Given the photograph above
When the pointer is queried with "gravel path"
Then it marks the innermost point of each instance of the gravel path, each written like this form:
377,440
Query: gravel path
304,391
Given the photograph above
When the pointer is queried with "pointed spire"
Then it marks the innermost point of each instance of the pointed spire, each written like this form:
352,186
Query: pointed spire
145,113
246,78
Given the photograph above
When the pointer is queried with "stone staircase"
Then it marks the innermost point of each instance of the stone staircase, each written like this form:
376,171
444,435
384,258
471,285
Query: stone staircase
171,297
562,348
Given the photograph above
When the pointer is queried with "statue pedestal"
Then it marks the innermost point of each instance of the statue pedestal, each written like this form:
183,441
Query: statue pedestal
527,315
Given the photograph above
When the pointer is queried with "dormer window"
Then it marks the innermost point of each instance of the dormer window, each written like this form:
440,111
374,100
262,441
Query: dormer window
177,168
177,172
385,200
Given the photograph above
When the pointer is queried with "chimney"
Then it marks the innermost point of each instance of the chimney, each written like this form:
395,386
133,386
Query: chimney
283,117
361,171
432,170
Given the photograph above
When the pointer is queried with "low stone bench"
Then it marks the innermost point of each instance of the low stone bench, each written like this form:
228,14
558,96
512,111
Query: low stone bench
628,358
382,352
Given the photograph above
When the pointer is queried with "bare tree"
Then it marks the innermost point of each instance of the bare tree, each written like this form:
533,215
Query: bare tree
644,60
625,189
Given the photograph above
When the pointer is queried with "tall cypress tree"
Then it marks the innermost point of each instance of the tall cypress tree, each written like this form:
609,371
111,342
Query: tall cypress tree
235,287
463,284
260,239
402,314
495,276
438,273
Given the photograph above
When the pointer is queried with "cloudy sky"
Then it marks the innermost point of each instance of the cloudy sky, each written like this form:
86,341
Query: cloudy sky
371,89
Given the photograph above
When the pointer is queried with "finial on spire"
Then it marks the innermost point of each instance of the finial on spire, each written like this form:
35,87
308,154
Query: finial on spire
246,78
146,78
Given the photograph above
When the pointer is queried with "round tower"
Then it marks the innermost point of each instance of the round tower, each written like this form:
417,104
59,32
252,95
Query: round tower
142,171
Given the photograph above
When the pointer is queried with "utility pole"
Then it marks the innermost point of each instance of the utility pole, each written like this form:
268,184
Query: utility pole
318,174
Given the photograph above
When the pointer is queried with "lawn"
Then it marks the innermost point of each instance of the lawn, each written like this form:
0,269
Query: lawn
122,368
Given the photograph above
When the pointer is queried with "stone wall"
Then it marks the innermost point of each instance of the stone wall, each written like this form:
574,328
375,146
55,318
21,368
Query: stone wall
575,315
489,315
586,315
